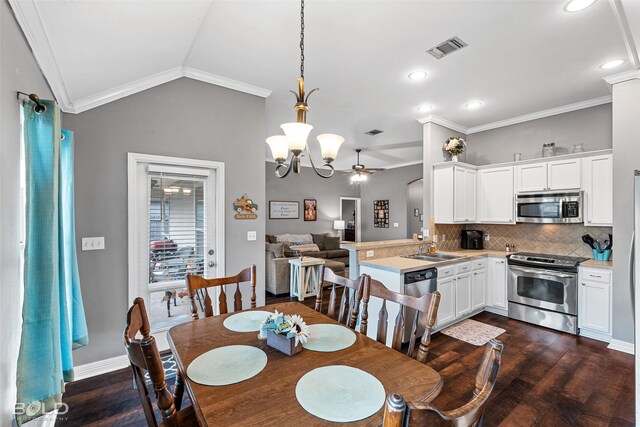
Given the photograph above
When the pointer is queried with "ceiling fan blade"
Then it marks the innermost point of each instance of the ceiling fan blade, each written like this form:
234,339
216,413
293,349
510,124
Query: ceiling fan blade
375,169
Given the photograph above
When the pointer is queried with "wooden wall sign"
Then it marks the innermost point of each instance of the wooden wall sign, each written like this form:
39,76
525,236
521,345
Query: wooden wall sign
284,210
245,208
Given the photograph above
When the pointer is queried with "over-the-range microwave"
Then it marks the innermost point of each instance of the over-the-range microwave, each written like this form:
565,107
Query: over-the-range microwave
546,208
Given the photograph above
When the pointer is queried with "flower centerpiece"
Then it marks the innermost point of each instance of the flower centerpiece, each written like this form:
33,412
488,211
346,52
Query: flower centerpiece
455,146
285,332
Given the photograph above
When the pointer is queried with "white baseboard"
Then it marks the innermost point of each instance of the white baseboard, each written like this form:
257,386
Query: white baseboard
623,346
100,367
495,310
595,335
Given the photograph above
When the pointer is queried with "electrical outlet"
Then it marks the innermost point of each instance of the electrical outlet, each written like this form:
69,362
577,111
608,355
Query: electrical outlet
252,236
369,254
396,225
92,243
487,237
444,237
435,238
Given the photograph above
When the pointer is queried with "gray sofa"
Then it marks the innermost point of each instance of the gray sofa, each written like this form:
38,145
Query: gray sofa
277,257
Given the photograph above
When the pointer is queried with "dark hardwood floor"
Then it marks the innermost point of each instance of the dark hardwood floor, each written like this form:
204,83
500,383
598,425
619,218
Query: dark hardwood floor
547,378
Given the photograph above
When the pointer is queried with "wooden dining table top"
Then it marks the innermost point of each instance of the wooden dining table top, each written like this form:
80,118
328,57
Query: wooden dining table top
269,398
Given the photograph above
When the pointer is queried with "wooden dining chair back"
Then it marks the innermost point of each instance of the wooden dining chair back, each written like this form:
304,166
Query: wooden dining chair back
425,307
144,356
345,308
199,285
399,413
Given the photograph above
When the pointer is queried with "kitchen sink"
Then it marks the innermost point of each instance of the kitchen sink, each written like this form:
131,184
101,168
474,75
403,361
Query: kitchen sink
433,257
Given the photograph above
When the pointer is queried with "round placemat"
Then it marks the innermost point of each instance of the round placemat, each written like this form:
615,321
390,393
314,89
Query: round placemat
227,365
340,394
246,321
329,337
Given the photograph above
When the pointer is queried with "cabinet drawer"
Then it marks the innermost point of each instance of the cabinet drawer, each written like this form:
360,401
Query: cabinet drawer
479,264
592,275
463,268
447,271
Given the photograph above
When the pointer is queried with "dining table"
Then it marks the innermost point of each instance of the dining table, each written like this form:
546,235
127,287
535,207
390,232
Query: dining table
269,398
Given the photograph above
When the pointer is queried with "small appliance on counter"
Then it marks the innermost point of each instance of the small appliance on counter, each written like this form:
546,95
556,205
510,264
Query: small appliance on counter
471,239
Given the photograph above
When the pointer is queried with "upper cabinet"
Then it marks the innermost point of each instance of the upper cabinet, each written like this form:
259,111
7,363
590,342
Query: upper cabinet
549,176
454,193
495,195
598,190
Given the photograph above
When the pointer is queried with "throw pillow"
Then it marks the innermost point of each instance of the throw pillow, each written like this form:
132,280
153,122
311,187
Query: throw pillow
277,249
318,239
294,238
305,248
271,238
331,243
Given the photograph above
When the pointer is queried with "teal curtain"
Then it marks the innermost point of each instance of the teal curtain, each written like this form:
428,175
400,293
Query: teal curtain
53,319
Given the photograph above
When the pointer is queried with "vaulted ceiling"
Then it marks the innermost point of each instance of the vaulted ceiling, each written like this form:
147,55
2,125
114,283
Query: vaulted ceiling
523,57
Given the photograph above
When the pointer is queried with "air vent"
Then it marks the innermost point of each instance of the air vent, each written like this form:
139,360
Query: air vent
447,47
374,132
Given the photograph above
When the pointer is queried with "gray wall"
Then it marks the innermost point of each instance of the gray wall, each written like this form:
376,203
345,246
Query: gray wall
183,118
626,158
415,197
307,185
589,126
391,185
18,72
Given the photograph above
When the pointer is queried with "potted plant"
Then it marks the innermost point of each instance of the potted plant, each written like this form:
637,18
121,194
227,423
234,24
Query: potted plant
285,332
455,146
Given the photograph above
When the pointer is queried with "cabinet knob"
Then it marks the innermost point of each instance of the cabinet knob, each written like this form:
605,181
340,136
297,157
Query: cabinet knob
589,221
583,284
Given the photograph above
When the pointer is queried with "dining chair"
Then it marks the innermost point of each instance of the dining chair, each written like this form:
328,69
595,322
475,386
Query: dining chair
400,413
199,283
348,307
426,304
144,356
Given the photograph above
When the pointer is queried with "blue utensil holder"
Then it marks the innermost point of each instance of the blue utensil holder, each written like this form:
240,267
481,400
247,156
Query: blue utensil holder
601,256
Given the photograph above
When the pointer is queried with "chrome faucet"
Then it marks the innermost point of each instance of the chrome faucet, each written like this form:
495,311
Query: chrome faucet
421,250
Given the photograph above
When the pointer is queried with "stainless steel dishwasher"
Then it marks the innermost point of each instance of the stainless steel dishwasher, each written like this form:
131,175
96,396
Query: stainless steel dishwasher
416,284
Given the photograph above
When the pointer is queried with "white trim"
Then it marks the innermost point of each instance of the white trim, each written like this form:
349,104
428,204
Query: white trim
541,114
622,77
214,79
402,165
100,367
623,346
496,310
588,333
625,29
432,118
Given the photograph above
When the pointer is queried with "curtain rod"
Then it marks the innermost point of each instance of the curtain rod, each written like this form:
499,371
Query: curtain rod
39,108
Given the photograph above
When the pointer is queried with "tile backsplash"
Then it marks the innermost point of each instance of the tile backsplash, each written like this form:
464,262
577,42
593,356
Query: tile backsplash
557,239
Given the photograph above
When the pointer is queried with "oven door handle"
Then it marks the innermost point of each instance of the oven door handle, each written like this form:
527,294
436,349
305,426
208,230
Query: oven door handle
541,271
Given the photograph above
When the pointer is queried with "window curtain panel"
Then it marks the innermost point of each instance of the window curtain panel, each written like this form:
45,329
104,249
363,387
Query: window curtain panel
53,319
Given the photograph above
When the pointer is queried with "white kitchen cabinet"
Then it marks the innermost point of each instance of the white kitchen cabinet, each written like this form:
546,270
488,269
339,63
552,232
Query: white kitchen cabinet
531,177
598,190
495,195
454,194
463,294
594,303
564,174
447,307
479,291
497,284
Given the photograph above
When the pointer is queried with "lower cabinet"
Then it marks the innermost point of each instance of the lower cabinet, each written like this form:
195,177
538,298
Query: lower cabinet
497,285
463,290
463,294
447,307
479,292
594,303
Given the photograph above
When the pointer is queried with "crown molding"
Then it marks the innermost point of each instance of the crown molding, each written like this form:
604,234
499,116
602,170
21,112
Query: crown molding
214,79
622,77
431,118
625,30
541,114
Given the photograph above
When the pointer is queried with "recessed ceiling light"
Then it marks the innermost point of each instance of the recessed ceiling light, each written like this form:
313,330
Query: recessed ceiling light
424,108
612,64
576,5
418,75
473,105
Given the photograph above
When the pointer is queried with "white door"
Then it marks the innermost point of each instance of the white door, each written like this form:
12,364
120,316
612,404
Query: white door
598,186
470,195
447,307
459,194
176,227
463,294
479,288
564,174
595,300
497,283
531,177
495,195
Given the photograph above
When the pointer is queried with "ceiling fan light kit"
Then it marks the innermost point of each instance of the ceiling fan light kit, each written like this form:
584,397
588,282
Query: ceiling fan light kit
295,135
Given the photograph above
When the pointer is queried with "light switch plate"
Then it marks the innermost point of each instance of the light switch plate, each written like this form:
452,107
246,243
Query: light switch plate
487,237
396,225
252,236
92,243
369,254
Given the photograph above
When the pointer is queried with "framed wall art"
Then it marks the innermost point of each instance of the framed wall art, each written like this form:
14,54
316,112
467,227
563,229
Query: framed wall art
284,210
381,213
310,209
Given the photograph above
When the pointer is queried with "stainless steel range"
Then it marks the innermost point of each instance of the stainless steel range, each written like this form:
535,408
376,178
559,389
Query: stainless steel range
543,290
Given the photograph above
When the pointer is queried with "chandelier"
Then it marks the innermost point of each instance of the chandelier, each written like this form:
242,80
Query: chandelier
295,135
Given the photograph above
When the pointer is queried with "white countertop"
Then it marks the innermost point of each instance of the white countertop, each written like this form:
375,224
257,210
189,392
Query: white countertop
406,265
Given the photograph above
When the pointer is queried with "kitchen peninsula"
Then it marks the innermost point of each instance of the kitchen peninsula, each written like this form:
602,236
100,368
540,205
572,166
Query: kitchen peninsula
367,251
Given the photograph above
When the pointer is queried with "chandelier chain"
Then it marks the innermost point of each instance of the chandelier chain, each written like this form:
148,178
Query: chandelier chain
302,38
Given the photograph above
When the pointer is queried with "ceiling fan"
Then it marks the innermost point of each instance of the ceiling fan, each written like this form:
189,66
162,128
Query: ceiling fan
359,172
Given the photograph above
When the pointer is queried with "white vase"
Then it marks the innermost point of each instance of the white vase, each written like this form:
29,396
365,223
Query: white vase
454,157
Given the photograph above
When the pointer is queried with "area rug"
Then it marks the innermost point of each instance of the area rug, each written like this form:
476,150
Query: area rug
473,332
170,369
